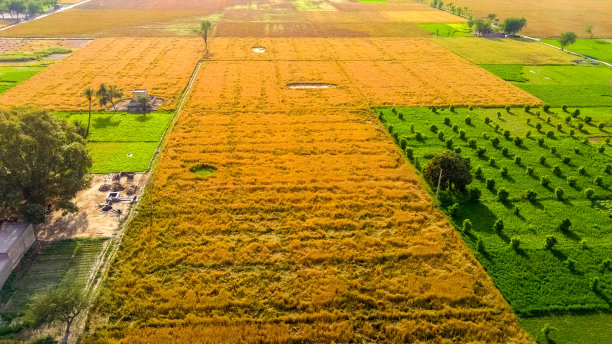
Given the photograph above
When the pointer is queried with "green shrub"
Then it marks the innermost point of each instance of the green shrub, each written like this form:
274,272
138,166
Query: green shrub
487,120
504,171
551,241
433,128
480,246
556,170
601,148
468,120
433,109
518,141
516,211
507,133
517,159
530,195
401,116
588,119
540,141
478,172
598,180
548,120
589,193
565,225
472,143
546,108
403,144
572,132
582,170
467,225
471,108
530,170
571,264
583,244
568,119
607,169
594,284
515,242
576,150
491,161
447,121
527,108
395,137
571,181
495,141
580,126
412,128
457,150
528,134
507,108
559,192
485,136
576,113
455,127
504,151
462,134
452,108
410,153
550,134
564,107
390,129
542,159
600,126
559,127
539,126
545,181
538,114
498,225
474,194
528,121
449,143
480,151
606,264
566,159
441,135
453,210
503,194
418,136
490,183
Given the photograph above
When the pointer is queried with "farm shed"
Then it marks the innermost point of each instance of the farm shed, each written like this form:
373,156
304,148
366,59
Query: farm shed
15,240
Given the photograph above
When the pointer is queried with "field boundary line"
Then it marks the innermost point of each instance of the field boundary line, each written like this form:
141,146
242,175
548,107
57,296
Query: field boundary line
46,14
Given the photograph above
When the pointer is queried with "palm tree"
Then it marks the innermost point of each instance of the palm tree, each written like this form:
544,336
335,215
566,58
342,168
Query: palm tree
113,93
145,102
102,95
88,93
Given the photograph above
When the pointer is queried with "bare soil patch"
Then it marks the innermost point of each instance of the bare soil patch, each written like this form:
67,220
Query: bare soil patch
90,221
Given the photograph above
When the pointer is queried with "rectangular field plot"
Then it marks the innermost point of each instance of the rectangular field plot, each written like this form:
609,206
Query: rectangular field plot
47,269
120,156
600,49
13,76
505,51
121,127
376,70
162,65
571,177
562,85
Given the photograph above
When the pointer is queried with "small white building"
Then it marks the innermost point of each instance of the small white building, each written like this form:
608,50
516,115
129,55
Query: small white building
15,240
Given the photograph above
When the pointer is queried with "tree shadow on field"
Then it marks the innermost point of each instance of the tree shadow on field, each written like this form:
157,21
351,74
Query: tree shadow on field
571,235
558,254
481,216
104,122
144,118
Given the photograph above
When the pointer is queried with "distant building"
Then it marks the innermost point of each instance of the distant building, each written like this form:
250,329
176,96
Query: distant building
15,240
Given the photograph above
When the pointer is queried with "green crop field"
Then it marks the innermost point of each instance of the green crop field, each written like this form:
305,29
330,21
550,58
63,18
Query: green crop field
121,127
600,49
562,85
534,280
449,30
47,269
592,328
121,141
121,156
12,76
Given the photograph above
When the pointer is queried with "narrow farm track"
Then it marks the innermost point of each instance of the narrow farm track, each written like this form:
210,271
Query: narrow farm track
313,227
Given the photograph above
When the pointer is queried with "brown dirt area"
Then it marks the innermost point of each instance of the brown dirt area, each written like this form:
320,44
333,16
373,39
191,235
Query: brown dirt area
90,221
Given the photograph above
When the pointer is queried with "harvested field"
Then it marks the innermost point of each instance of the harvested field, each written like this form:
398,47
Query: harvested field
312,228
383,70
79,22
549,18
505,51
162,65
36,45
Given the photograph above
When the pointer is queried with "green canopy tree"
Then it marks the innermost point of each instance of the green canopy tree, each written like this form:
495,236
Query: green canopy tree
60,303
43,163
482,27
589,30
108,94
512,26
455,171
205,26
567,38
145,102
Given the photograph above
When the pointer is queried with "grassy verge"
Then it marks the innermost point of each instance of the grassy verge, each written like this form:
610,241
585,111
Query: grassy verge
448,30
533,279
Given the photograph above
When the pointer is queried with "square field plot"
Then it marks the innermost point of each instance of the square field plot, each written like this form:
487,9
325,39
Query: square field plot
600,49
161,65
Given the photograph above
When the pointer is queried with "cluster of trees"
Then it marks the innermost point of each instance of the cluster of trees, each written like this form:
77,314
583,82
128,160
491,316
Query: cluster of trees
27,8
43,164
510,26
450,7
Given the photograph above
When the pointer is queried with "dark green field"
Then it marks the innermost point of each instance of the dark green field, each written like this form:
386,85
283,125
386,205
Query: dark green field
12,76
535,281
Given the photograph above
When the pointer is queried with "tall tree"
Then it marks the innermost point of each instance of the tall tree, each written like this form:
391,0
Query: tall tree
589,30
482,27
43,163
455,171
113,93
205,26
60,303
102,95
512,26
567,38
145,102
89,94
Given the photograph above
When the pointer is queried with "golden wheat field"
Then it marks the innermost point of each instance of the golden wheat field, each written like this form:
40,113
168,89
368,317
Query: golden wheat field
381,71
162,65
313,227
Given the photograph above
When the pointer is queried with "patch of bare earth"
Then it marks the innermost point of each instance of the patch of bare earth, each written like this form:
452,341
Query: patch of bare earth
91,221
